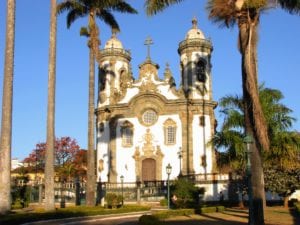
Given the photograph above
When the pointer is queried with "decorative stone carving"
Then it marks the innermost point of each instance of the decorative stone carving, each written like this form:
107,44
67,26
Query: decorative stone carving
148,151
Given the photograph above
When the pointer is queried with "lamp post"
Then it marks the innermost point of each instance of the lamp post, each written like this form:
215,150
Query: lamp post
248,140
179,153
122,182
168,170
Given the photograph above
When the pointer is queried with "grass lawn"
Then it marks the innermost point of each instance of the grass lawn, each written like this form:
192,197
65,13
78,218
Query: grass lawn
23,216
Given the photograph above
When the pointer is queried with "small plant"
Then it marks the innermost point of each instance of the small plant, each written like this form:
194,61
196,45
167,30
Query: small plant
113,200
149,220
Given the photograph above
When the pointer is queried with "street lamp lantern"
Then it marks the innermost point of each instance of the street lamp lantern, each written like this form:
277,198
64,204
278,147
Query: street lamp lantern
248,141
168,170
122,182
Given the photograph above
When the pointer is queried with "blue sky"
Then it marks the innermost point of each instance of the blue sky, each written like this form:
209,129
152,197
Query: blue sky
278,55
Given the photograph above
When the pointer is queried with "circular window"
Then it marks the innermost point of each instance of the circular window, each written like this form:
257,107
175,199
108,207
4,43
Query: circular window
149,117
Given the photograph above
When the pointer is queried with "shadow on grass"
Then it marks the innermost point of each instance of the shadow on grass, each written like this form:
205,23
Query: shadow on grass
205,220
243,211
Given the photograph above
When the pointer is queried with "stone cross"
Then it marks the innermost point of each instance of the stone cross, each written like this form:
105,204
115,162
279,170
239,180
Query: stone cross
148,42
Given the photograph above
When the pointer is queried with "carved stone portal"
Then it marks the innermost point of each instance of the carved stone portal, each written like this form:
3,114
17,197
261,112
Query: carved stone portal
148,159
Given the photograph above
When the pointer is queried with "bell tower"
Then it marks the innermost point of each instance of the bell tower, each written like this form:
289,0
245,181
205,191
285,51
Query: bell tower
195,53
114,72
198,115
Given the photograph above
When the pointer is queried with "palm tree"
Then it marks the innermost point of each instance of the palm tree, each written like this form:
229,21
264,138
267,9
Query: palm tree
49,157
284,144
7,99
102,10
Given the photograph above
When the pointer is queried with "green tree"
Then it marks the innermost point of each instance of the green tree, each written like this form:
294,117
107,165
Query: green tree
282,181
49,159
284,144
7,99
103,11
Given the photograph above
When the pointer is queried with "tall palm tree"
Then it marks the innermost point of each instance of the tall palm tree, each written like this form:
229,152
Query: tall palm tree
244,13
7,99
49,157
102,10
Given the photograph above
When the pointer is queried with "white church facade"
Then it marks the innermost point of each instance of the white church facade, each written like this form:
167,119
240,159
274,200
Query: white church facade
145,124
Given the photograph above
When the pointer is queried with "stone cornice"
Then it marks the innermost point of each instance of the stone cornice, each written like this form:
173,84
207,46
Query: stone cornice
109,52
203,44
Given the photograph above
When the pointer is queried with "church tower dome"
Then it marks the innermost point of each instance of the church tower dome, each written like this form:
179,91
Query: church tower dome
194,32
113,42
195,53
114,71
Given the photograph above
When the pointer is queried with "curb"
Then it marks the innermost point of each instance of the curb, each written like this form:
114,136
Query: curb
87,219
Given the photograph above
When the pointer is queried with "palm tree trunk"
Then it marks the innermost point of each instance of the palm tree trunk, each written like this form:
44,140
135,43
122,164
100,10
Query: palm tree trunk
49,164
254,119
7,99
91,170
91,177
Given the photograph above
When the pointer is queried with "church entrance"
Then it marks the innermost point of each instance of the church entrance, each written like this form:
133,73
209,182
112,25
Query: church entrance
148,169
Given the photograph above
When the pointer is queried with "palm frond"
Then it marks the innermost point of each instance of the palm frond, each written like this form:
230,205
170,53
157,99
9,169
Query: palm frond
108,18
292,6
155,6
222,12
84,32
74,14
122,7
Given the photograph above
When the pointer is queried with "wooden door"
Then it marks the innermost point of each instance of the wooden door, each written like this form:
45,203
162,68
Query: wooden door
148,170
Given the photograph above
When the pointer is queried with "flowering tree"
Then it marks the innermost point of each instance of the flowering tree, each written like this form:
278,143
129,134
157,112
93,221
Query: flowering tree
69,159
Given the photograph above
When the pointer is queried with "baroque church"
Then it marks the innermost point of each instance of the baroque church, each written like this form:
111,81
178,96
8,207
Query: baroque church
145,124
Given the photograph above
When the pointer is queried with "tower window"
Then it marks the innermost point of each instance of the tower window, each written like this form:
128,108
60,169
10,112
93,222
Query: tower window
170,132
127,134
200,71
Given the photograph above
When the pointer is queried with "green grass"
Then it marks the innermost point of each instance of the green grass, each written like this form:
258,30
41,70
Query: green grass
20,217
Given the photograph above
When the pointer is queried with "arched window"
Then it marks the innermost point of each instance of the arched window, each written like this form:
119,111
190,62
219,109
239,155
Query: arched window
170,132
127,134
200,70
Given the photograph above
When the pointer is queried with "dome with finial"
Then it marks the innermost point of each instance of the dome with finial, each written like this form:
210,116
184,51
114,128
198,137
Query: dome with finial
113,42
195,32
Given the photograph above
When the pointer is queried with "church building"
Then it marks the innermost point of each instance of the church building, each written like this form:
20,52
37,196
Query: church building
144,124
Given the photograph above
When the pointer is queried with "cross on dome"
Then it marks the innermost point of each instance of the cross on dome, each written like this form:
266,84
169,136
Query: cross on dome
195,22
148,42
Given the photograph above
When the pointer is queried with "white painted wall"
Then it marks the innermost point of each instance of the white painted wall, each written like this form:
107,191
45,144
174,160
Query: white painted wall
198,145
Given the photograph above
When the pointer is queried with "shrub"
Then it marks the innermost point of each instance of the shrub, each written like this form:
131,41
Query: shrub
113,200
163,202
149,220
187,194
209,209
169,213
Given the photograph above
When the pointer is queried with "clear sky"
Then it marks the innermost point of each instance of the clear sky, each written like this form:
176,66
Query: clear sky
279,62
